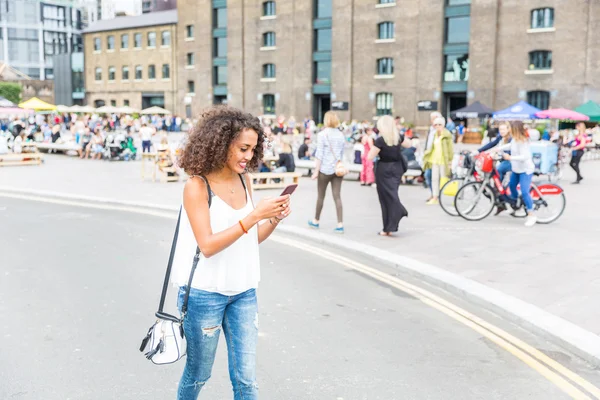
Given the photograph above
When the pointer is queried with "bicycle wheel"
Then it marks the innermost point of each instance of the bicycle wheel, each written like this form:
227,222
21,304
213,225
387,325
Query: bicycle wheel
475,201
448,193
549,202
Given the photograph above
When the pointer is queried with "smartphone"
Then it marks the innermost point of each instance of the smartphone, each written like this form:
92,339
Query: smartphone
289,190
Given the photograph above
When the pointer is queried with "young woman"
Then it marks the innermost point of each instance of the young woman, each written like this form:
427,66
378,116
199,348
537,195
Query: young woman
578,150
330,150
367,175
224,145
522,168
438,157
504,137
390,168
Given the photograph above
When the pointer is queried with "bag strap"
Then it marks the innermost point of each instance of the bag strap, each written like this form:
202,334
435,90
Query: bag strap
331,148
165,288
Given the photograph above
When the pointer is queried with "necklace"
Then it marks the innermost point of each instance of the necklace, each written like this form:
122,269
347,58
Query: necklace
231,189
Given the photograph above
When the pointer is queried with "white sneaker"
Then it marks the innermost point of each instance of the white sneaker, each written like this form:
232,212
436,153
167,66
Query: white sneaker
530,221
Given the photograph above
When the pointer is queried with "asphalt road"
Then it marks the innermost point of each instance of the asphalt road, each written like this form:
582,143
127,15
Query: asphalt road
79,286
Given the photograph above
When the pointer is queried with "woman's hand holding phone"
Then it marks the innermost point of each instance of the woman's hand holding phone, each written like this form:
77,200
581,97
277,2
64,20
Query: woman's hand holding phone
270,207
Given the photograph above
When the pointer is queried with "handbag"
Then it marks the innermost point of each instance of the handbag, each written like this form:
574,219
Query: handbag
340,168
165,341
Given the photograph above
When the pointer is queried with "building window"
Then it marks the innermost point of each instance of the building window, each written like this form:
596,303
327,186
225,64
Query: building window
97,44
151,39
457,68
138,72
269,71
166,71
323,39
323,8
385,66
190,60
113,103
112,72
125,41
125,73
269,39
165,38
322,72
458,2
189,31
219,18
540,59
99,103
542,18
268,104
220,75
269,8
98,74
458,29
110,42
126,103
151,71
387,1
386,30
539,99
191,87
137,40
385,103
220,47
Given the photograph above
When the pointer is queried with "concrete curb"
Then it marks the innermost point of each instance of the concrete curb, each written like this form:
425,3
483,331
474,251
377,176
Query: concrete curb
577,340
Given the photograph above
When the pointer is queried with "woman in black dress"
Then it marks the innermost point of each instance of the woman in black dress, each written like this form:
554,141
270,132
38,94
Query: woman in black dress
388,174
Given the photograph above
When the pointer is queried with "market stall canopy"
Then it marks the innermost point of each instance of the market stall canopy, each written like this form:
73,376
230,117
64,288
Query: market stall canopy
107,110
155,110
562,114
521,110
127,110
591,109
36,104
6,112
475,110
61,108
4,102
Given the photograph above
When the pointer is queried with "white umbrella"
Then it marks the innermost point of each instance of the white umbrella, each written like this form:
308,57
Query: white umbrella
107,110
127,110
155,110
62,108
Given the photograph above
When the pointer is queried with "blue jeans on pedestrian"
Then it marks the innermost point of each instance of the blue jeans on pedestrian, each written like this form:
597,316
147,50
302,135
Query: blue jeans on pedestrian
525,181
503,169
209,313
427,175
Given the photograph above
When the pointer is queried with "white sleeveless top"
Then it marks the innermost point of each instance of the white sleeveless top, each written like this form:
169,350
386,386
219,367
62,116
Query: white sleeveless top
235,269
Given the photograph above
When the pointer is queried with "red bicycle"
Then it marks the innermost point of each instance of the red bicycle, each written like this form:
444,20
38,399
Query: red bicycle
476,200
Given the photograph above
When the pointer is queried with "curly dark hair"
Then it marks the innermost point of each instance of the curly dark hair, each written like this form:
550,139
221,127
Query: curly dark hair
207,145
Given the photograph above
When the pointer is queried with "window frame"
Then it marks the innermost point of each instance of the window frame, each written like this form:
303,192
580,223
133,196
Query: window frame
544,10
192,86
168,69
140,69
148,42
386,99
216,75
380,30
447,29
190,59
269,6
152,72
108,42
543,102
97,44
135,41
189,29
125,35
272,103
216,18
98,74
385,66
269,71
317,41
216,41
316,79
266,42
112,70
125,69
162,38
542,57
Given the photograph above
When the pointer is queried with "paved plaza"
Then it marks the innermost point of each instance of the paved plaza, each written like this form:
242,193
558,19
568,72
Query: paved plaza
555,267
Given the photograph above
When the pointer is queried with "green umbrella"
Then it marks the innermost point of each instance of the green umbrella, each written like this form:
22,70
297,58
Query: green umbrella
591,109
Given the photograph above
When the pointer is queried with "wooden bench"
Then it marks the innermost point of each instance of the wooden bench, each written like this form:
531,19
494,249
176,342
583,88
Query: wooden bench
274,180
310,165
56,147
12,159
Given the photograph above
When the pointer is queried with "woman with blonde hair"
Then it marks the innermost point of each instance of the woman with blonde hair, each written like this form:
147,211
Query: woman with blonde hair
330,151
388,175
522,169
438,157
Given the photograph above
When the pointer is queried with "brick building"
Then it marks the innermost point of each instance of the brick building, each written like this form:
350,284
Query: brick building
131,61
380,56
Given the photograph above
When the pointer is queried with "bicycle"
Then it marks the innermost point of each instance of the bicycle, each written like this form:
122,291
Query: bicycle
549,200
466,174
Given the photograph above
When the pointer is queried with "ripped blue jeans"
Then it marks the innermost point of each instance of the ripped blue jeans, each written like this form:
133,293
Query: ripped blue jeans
208,314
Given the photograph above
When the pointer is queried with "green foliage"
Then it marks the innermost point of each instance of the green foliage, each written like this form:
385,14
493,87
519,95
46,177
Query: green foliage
11,91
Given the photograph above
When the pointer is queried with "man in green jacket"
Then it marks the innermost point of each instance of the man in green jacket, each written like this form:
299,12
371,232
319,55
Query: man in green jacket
438,157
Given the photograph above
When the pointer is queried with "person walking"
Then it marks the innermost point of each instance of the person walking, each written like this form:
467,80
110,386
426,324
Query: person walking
219,218
388,176
438,157
522,169
578,150
330,151
428,145
367,175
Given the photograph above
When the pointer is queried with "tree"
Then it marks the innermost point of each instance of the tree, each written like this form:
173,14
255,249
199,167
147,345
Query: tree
11,91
